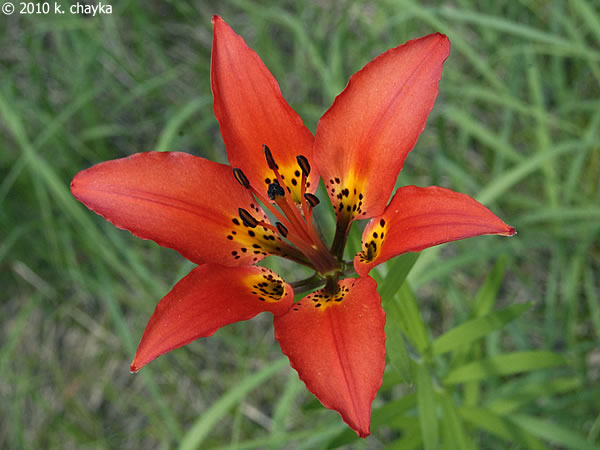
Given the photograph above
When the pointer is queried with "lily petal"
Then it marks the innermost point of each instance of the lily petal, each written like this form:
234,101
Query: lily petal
251,112
364,137
418,218
209,297
179,201
337,345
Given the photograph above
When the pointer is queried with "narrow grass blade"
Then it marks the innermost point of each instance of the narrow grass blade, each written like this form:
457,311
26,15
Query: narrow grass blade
396,350
593,299
407,315
506,364
199,431
452,425
512,176
398,270
166,139
552,432
476,328
530,391
487,294
501,427
395,344
285,404
483,134
427,408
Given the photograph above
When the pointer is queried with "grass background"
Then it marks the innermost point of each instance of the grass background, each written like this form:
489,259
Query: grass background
516,125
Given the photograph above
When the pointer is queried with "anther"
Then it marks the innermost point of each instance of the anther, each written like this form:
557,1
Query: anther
247,218
241,178
304,165
269,157
274,191
312,199
282,229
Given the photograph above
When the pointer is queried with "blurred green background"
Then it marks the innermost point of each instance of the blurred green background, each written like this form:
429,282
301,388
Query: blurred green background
516,125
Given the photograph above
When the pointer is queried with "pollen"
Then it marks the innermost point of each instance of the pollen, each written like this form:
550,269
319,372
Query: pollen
266,286
373,240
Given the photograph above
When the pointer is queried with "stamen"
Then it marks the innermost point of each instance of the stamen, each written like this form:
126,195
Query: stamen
275,191
269,157
312,199
247,218
304,165
302,235
241,178
282,229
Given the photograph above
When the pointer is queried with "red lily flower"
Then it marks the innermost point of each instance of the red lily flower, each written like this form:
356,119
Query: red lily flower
212,214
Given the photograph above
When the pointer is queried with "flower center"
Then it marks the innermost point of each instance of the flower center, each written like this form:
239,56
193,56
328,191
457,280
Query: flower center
293,213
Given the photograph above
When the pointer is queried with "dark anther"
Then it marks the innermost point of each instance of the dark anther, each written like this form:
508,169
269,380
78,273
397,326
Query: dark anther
269,157
312,199
247,218
275,190
241,178
304,165
282,229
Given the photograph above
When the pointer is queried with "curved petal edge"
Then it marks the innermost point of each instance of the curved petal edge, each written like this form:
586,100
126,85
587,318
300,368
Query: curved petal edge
375,122
418,218
336,343
252,111
208,298
179,201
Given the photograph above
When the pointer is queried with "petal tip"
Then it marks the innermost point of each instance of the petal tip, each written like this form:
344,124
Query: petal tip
74,182
216,18
511,232
363,434
134,368
444,42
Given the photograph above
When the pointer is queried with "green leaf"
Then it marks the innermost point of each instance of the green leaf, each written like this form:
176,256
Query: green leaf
519,393
487,294
285,404
427,408
506,364
205,423
404,311
454,432
552,432
500,426
398,270
396,350
476,328
515,174
395,343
